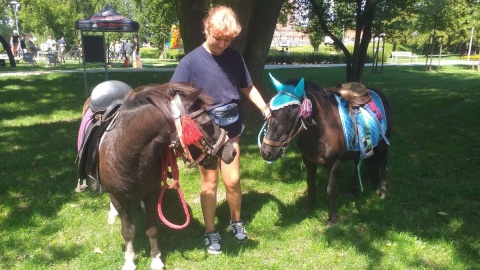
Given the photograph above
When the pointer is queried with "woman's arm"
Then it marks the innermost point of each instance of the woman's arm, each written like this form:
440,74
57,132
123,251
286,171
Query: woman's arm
254,95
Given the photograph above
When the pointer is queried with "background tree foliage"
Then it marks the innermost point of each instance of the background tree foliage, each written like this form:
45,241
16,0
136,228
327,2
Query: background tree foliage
406,23
156,18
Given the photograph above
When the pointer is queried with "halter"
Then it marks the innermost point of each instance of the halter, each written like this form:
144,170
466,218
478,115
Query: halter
293,133
208,150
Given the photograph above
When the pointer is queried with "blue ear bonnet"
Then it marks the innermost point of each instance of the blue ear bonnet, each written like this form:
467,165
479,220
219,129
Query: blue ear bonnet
287,94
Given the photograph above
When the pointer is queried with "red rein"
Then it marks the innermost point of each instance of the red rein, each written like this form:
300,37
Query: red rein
169,162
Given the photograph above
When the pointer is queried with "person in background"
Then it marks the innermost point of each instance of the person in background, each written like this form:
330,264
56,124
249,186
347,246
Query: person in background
111,51
223,75
23,44
136,49
14,42
118,48
123,50
129,49
32,44
51,45
61,45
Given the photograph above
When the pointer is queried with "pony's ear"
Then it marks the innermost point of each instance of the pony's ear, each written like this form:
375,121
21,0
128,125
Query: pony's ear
278,85
300,88
192,97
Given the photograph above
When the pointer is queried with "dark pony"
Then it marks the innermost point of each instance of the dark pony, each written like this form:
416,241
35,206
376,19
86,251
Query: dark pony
133,151
321,139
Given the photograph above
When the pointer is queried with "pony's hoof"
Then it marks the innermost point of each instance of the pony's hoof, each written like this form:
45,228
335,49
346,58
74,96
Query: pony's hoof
157,264
129,266
383,194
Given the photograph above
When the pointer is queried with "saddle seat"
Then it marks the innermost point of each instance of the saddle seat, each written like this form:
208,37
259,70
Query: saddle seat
356,93
106,93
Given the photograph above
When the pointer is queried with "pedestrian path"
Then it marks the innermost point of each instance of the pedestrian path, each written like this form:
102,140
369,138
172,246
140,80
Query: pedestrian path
267,67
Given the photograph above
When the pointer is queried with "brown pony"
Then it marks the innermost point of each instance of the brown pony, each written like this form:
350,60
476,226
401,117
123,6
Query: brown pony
133,148
321,139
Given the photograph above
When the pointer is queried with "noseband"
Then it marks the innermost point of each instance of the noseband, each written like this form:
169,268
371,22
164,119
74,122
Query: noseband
209,151
293,133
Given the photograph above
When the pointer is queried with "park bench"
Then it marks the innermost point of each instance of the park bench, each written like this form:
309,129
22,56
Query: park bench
399,54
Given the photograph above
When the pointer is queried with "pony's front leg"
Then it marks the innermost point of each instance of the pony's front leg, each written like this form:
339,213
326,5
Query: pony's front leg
128,232
333,191
151,223
311,183
129,256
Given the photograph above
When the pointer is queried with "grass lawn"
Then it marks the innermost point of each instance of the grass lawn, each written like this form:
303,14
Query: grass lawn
431,219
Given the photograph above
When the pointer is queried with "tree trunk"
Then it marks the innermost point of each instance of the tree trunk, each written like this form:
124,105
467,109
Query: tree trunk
355,62
262,25
6,47
190,14
364,28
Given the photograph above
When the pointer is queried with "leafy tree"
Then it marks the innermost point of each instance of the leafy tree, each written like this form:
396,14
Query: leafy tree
365,16
395,19
451,19
156,18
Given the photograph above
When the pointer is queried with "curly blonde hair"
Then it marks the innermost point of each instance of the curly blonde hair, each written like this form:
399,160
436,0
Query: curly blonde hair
221,20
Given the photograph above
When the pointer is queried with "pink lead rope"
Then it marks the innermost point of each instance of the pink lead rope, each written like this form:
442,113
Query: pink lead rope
169,162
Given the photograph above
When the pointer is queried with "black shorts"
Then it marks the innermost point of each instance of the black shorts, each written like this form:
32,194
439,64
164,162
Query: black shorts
234,130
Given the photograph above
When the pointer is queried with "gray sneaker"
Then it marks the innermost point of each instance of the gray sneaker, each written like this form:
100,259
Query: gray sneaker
239,232
213,242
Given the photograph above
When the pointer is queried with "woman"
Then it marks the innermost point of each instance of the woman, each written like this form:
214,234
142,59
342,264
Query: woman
222,74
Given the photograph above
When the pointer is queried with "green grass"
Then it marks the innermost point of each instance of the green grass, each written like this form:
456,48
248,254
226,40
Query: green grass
433,169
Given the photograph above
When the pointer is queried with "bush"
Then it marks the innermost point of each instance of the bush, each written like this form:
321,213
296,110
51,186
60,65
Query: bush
325,55
175,54
471,56
305,58
154,53
150,53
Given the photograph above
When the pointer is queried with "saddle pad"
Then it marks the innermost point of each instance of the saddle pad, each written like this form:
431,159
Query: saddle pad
86,120
365,120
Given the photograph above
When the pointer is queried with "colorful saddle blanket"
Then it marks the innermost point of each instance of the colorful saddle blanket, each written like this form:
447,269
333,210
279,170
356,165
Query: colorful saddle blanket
370,123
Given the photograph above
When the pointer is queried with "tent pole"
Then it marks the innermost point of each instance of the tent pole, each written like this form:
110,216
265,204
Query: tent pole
105,62
84,68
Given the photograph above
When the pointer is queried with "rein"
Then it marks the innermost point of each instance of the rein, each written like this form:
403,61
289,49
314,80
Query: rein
169,163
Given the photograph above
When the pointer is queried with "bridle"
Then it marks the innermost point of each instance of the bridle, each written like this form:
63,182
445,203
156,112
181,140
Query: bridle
293,132
209,151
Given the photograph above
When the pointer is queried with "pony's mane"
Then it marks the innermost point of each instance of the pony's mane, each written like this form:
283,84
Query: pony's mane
161,95
310,86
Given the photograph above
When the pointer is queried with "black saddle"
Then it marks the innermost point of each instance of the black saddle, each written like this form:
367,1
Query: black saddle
106,100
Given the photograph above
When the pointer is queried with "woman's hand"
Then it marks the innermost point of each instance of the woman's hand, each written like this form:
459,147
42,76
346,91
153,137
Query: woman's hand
266,112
